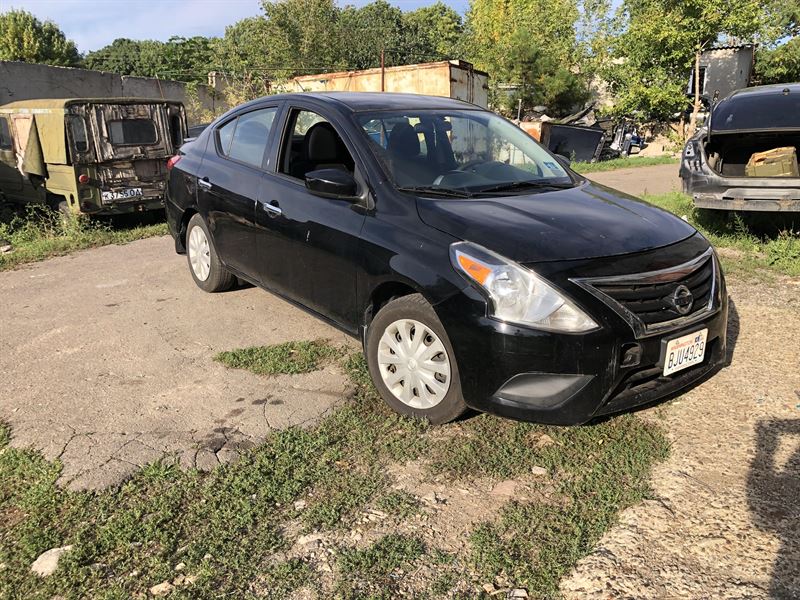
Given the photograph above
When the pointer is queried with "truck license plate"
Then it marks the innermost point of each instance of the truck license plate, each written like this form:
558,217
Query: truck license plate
685,351
125,194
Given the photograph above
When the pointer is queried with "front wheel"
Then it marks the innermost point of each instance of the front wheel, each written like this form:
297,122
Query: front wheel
204,264
412,363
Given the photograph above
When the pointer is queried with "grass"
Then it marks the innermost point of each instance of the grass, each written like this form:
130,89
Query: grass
291,357
230,527
752,244
40,233
623,163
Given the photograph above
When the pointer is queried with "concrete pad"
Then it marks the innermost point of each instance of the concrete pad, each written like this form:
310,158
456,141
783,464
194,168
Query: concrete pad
107,363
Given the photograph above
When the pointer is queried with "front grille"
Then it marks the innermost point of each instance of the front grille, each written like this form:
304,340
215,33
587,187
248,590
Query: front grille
648,300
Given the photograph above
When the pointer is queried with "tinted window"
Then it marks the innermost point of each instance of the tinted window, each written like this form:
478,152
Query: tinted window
250,136
758,111
225,134
79,138
132,132
5,135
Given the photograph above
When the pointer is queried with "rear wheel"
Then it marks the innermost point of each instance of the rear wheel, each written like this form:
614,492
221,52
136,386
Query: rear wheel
412,363
204,264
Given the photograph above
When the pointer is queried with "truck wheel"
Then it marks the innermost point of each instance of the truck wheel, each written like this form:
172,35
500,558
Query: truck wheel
207,271
412,363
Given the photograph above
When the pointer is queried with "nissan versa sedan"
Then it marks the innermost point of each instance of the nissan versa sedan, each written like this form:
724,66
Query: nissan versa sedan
477,269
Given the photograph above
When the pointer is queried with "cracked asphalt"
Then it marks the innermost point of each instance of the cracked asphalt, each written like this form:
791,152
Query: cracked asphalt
107,357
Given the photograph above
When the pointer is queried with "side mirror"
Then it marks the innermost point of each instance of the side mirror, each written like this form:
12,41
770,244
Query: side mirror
563,160
332,183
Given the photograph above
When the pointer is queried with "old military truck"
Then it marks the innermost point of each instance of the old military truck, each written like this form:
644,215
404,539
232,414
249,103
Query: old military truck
93,156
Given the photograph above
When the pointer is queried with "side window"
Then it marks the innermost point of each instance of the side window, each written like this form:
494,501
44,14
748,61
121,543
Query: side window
245,138
311,143
225,135
5,135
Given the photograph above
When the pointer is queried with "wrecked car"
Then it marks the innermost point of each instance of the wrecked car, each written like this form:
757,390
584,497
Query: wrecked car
91,156
745,159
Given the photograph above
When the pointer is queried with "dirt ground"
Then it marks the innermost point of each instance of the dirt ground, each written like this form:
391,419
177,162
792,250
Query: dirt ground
658,179
107,362
724,520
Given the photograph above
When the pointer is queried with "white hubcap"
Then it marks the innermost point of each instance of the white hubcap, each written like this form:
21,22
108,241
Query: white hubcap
414,364
199,253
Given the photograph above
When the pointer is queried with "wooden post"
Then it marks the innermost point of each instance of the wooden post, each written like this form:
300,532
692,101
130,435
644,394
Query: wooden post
383,70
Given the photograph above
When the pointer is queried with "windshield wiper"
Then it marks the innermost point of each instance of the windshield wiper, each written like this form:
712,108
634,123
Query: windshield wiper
518,185
437,191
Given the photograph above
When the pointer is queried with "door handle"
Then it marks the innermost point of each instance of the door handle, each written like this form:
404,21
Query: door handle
204,183
271,208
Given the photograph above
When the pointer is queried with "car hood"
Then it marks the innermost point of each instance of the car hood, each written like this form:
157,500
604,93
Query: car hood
587,221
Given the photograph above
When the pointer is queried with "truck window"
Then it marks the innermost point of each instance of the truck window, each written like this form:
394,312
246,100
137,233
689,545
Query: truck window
176,131
78,127
132,132
5,135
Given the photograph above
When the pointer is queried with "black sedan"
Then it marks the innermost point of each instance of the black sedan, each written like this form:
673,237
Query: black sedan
477,269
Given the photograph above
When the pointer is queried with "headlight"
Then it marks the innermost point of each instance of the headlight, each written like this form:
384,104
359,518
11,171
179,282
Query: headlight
518,294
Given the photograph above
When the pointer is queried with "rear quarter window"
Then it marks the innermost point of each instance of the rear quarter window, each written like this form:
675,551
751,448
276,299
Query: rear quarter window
132,132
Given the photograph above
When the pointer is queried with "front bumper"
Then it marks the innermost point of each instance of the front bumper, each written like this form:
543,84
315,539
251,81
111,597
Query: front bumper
565,379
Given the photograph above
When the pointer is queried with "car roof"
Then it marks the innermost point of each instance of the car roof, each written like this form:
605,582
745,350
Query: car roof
62,103
371,101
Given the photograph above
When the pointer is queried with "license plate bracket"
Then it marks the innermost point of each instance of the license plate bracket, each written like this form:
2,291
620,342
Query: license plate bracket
684,351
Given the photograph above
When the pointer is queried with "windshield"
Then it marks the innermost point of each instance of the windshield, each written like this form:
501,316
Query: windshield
776,110
466,152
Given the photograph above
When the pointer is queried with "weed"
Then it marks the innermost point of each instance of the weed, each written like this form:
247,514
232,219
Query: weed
623,163
399,504
290,357
367,572
40,233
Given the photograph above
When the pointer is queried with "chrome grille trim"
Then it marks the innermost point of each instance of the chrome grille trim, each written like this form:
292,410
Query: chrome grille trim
677,273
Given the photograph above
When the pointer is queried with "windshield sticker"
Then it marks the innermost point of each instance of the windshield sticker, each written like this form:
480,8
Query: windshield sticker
551,165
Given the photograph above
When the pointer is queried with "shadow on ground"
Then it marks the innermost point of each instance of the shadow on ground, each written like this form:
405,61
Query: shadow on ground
773,493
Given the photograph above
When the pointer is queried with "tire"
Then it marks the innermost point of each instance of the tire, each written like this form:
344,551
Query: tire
204,265
425,388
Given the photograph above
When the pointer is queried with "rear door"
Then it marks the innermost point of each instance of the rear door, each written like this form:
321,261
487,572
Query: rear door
230,184
132,144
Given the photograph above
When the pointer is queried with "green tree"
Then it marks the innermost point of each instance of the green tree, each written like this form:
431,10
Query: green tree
661,42
778,65
434,32
25,38
527,44
368,30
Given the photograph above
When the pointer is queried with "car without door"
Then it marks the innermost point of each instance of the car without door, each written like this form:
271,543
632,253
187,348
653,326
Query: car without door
476,268
92,156
746,158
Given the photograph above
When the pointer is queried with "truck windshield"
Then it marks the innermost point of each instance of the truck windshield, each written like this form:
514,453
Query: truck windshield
132,132
459,152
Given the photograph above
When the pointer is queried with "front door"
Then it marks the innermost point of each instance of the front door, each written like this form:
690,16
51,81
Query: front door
230,184
307,244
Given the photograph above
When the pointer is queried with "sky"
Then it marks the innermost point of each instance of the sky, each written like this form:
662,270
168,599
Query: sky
92,24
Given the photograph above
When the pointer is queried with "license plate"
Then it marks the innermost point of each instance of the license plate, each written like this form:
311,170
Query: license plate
125,194
685,351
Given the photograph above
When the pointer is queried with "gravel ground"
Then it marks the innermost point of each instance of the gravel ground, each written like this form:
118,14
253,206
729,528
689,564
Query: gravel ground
724,521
